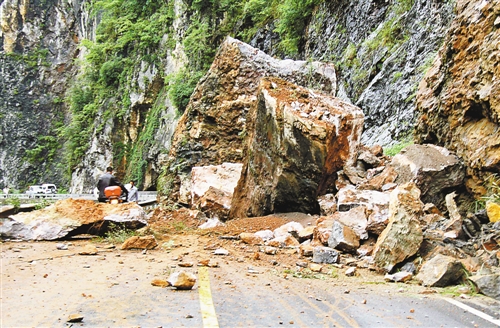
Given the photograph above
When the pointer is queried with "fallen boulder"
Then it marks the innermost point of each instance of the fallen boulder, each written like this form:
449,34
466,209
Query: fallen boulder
488,285
214,126
435,170
212,187
403,235
441,271
182,280
71,217
297,142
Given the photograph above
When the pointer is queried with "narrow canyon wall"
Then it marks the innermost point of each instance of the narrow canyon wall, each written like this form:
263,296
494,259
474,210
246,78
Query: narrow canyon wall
457,101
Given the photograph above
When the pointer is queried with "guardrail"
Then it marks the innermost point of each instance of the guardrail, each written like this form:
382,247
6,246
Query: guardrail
143,196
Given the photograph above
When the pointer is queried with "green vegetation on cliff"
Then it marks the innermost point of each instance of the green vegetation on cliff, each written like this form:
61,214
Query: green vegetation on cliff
132,34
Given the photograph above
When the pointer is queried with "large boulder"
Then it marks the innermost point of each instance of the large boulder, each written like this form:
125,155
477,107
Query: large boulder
350,197
70,217
213,128
297,142
441,271
403,235
222,177
457,100
488,285
434,170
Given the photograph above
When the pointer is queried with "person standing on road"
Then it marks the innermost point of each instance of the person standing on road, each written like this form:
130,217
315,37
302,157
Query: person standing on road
133,192
106,180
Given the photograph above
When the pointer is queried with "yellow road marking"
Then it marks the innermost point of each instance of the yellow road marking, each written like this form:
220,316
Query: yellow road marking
206,302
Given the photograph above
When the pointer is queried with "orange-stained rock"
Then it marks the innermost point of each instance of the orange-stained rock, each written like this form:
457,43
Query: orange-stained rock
251,238
213,128
457,100
297,142
143,242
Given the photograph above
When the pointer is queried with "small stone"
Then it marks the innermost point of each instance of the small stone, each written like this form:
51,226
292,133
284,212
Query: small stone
315,267
62,246
350,272
182,280
160,283
88,250
221,251
186,264
75,318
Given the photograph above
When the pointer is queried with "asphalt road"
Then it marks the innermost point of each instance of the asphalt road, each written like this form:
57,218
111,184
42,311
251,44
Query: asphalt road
41,286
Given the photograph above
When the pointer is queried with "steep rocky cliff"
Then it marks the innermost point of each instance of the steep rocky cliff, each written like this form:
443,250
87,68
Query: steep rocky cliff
457,100
39,42
120,101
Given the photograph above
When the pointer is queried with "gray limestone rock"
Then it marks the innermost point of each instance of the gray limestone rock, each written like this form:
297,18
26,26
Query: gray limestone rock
441,271
343,238
325,255
432,168
403,235
488,285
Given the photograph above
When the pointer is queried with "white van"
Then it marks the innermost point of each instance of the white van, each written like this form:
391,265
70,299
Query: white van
49,188
34,190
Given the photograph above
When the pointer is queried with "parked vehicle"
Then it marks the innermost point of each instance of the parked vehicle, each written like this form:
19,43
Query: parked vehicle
34,191
49,188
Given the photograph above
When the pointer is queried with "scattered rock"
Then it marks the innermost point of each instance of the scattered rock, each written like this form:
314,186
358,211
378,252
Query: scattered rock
211,223
343,238
221,251
88,250
283,241
140,242
251,238
432,168
327,204
350,272
62,246
75,318
488,285
265,234
403,236
315,267
401,276
160,283
441,271
182,280
325,255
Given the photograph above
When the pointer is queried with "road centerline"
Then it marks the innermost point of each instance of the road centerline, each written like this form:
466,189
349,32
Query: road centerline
206,302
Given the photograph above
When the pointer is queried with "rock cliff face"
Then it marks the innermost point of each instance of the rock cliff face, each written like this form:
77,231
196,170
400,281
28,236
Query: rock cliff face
39,43
457,101
380,50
